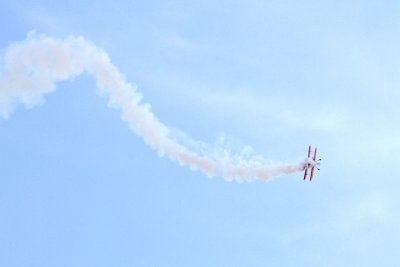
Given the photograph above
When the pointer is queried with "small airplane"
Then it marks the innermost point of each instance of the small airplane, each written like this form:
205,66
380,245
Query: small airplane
311,163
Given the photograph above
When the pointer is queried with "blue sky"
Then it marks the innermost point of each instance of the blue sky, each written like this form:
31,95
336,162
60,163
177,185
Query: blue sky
78,188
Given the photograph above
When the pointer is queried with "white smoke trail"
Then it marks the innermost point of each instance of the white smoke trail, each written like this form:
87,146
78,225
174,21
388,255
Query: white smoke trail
32,68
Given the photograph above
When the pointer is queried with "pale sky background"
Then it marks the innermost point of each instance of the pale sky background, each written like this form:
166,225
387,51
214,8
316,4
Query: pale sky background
78,188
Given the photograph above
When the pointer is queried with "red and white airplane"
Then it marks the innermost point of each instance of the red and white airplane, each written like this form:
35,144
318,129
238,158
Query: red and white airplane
311,163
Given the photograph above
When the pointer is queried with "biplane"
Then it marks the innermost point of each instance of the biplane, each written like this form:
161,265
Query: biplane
311,163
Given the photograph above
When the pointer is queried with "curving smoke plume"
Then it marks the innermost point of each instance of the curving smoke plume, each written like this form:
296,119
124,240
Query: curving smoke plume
34,66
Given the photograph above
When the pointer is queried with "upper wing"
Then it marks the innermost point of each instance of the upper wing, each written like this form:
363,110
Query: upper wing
312,170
